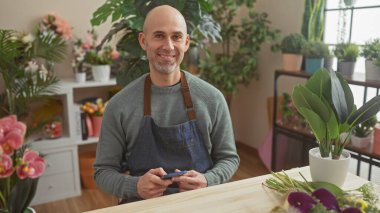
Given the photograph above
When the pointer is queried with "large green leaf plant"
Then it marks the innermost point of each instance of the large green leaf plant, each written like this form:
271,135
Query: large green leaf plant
128,19
236,63
327,104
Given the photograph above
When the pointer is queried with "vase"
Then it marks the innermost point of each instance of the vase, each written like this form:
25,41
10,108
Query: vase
80,77
372,72
101,73
361,142
97,124
292,62
346,67
313,64
327,169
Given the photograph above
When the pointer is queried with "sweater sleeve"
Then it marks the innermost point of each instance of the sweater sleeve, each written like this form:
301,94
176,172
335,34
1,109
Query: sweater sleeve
109,163
223,152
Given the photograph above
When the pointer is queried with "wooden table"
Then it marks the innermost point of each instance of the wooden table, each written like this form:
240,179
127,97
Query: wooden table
248,195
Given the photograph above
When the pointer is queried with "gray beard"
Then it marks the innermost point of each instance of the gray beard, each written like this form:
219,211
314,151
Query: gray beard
166,69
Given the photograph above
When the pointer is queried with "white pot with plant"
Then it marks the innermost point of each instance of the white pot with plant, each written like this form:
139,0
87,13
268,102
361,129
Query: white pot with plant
291,46
347,54
327,104
100,59
371,53
362,134
78,61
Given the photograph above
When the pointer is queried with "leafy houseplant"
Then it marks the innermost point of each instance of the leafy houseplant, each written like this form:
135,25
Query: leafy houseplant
292,44
129,15
228,68
371,50
315,49
327,104
347,52
364,129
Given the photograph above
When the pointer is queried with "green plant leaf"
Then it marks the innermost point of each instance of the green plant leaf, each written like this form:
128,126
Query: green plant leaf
365,112
335,190
333,125
317,125
319,82
22,194
347,94
110,7
338,98
303,97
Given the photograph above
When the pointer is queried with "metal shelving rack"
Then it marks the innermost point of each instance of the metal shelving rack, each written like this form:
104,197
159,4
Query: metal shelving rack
361,155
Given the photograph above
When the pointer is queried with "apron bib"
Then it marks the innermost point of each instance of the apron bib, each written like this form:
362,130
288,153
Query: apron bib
175,147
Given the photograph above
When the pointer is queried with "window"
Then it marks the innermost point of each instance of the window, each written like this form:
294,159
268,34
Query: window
356,23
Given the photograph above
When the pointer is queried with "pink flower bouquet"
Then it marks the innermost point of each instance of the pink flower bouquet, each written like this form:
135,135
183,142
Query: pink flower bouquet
19,167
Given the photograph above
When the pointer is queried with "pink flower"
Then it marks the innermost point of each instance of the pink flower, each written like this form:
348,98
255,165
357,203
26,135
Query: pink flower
6,166
115,55
12,134
32,165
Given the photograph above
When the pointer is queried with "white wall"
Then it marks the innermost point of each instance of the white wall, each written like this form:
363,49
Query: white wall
249,112
23,15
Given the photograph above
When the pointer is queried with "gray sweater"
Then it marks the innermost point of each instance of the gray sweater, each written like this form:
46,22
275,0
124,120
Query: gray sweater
122,119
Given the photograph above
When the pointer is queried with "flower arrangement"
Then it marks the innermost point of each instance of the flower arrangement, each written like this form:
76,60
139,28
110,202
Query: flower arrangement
327,104
290,116
19,167
96,109
79,54
95,56
305,196
52,23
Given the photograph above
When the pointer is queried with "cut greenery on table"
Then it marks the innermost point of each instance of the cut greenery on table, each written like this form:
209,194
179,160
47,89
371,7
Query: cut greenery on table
305,196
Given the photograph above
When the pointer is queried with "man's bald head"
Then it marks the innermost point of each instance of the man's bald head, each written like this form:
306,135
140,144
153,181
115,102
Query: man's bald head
163,13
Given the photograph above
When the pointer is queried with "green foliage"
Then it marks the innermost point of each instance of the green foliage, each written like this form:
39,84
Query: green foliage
371,51
327,104
237,61
315,49
347,52
128,17
313,20
292,43
364,129
22,194
22,87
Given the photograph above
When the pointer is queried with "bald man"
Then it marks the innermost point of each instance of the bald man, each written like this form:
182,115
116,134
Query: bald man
163,122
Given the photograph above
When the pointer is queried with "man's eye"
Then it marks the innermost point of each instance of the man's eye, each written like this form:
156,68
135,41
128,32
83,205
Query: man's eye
159,36
177,37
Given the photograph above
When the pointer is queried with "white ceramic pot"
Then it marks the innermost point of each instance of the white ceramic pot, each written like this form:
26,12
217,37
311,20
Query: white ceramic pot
327,169
80,77
361,142
101,72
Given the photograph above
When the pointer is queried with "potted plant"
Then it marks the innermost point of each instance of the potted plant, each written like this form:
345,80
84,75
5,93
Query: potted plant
291,46
347,54
99,58
362,134
327,104
329,60
314,52
77,63
371,52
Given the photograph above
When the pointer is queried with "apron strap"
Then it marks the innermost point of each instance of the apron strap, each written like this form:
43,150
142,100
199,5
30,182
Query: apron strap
187,97
185,93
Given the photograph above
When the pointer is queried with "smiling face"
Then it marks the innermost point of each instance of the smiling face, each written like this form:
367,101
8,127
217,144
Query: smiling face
164,39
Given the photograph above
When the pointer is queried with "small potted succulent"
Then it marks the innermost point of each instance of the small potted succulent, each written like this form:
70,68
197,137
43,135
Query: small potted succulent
291,46
347,54
371,52
314,52
362,134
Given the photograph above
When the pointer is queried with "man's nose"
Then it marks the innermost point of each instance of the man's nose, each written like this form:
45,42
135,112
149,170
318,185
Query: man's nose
169,44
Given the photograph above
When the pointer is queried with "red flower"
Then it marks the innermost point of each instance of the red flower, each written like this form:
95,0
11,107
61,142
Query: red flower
6,166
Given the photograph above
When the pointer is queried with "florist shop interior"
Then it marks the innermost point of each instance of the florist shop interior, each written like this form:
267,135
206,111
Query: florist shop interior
301,80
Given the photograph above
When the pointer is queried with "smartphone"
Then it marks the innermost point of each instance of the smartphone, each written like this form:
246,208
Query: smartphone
174,174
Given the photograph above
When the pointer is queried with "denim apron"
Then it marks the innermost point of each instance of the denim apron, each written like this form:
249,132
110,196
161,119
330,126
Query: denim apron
175,147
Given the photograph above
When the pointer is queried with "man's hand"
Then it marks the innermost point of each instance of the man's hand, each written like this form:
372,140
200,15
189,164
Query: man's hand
151,185
190,181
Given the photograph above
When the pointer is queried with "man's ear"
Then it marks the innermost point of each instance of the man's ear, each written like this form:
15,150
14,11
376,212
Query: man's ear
142,40
187,42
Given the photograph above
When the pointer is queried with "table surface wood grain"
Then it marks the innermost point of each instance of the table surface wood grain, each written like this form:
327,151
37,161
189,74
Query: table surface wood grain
248,195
